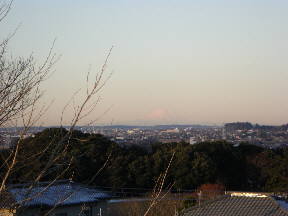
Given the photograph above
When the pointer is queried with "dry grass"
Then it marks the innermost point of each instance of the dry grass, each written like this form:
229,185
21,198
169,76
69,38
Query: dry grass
168,206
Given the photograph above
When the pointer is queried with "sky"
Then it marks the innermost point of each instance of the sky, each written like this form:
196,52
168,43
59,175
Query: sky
173,61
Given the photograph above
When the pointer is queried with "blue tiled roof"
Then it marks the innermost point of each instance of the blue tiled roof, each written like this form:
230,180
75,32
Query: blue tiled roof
57,194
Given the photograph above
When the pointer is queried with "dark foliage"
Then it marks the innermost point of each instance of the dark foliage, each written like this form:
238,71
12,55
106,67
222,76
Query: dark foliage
245,167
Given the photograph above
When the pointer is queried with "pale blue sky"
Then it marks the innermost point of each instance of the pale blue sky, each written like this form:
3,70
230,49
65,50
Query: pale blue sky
174,61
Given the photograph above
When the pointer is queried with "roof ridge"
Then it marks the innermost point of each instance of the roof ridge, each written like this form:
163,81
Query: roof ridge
278,205
39,184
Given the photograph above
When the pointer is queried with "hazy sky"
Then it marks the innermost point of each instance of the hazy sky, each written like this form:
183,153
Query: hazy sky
174,61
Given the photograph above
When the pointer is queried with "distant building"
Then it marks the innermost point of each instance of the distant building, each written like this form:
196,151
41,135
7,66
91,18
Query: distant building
224,136
192,141
7,141
175,130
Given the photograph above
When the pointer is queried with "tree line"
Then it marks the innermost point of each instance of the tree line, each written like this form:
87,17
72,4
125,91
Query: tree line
94,159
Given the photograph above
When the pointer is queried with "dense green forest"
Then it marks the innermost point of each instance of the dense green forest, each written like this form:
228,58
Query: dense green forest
245,167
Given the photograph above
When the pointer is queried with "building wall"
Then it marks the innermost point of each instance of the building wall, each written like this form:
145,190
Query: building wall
97,209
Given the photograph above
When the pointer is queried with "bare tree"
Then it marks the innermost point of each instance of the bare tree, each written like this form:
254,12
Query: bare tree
158,195
20,79
20,82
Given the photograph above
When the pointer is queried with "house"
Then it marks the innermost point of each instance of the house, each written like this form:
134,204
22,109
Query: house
61,198
239,204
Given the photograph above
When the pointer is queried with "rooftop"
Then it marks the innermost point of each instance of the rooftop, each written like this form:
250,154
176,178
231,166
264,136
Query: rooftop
63,193
238,206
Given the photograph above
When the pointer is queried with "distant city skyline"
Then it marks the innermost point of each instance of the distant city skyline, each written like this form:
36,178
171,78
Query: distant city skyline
174,62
